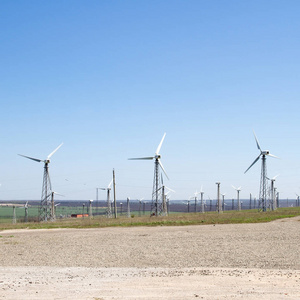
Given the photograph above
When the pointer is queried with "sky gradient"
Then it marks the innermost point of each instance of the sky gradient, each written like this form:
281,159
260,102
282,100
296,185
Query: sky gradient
109,78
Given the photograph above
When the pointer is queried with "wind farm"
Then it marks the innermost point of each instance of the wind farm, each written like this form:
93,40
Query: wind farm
166,185
159,205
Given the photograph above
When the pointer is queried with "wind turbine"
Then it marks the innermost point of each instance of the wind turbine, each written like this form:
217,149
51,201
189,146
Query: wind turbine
45,209
164,195
195,198
238,196
52,214
156,181
263,178
26,211
273,200
140,206
202,202
108,204
223,201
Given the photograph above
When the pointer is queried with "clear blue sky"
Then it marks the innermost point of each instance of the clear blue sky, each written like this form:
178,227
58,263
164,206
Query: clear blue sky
108,78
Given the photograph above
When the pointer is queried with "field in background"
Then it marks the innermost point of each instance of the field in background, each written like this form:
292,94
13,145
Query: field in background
137,218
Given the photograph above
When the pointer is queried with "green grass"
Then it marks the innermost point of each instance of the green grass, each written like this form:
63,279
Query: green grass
180,219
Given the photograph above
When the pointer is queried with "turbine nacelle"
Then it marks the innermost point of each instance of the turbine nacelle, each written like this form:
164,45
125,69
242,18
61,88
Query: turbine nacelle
262,154
157,156
47,160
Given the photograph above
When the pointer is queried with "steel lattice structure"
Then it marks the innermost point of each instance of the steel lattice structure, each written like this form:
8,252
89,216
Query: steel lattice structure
45,205
156,204
263,185
263,205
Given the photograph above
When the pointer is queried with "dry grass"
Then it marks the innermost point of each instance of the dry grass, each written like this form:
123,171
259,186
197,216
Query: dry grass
180,219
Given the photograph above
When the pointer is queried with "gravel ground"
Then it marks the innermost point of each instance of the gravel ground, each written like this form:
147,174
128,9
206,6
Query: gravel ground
242,261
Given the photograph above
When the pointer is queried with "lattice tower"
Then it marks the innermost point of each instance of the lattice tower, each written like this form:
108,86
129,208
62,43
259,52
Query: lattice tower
156,204
263,185
45,205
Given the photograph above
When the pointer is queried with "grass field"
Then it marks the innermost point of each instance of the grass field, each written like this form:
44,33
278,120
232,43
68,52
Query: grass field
179,219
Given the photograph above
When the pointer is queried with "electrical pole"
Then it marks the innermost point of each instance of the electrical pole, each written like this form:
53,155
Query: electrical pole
219,200
114,187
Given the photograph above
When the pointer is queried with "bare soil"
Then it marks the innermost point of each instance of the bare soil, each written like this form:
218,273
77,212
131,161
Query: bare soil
240,261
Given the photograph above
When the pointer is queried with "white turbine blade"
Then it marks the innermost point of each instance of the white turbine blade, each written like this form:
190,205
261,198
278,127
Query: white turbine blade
273,156
234,187
110,184
253,162
170,189
59,194
159,146
142,158
162,168
48,157
239,188
57,204
275,177
257,143
35,159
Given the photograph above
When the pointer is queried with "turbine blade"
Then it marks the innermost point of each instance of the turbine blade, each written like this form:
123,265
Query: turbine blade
59,194
275,177
159,146
48,157
201,190
258,157
273,156
162,168
35,159
234,187
110,184
142,158
170,189
257,143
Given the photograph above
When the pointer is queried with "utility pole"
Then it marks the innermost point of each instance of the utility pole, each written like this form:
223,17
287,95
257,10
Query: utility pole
90,208
14,215
114,187
52,213
128,208
219,200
